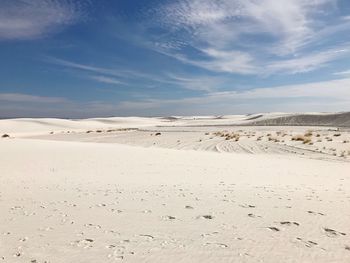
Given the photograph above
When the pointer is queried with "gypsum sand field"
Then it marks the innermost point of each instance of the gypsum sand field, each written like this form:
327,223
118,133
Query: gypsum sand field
80,200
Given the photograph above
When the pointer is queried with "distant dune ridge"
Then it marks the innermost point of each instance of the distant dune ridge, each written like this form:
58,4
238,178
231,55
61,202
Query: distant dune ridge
44,125
329,119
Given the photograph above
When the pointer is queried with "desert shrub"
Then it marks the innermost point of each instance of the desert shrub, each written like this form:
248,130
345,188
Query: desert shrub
273,139
336,134
302,138
5,136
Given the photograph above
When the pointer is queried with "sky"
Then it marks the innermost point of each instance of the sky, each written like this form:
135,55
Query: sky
100,58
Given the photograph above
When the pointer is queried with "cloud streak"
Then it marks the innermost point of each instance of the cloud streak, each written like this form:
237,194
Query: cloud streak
252,37
333,95
27,19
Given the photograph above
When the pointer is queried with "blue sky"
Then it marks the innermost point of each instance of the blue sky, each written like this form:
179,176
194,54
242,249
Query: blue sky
86,58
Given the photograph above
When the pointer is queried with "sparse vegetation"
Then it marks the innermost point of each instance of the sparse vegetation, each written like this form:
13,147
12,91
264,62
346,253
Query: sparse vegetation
5,136
228,136
302,138
308,133
273,139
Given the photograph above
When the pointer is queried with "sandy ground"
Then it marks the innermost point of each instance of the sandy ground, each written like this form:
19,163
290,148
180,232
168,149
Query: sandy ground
104,193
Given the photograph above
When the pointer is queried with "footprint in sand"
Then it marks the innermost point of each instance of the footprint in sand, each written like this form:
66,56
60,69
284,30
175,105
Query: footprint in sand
253,216
168,218
315,213
205,217
275,229
332,233
220,245
148,237
84,243
247,206
287,223
307,243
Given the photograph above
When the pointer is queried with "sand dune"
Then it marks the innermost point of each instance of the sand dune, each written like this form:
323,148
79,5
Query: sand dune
180,189
25,126
316,119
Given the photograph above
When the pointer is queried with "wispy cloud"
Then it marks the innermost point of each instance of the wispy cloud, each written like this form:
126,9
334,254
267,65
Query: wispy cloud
18,97
126,76
252,37
28,19
107,80
343,73
331,95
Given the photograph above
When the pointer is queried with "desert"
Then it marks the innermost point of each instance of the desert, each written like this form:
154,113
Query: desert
177,189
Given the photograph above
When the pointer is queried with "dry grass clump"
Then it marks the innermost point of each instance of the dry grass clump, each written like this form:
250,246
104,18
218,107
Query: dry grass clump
273,139
345,141
89,131
337,134
228,135
343,154
5,136
302,138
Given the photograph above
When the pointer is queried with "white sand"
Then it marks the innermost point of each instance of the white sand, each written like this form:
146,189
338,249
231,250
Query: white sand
85,197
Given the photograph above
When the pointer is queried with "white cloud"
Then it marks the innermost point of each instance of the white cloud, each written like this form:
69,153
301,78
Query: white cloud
28,19
306,63
243,36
